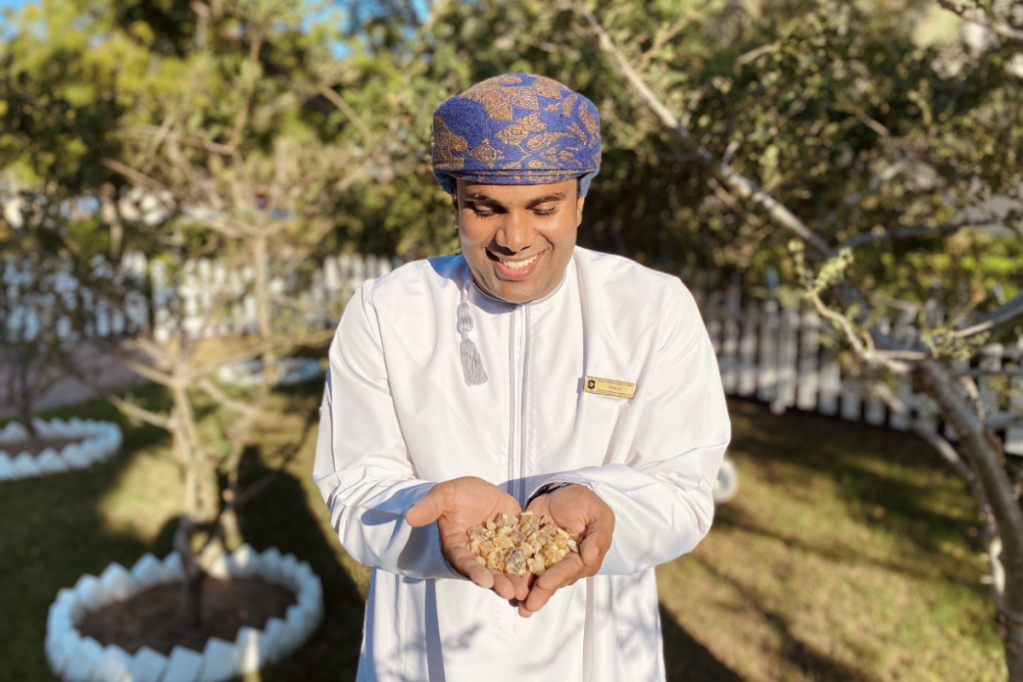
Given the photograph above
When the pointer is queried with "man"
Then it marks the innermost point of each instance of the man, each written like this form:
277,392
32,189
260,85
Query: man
524,373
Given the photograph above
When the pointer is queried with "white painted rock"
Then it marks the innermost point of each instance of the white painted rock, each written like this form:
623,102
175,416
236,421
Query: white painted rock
82,660
100,441
219,661
112,666
74,658
184,665
49,462
242,562
13,432
147,665
117,582
250,650
147,571
90,594
25,466
173,567
270,565
6,467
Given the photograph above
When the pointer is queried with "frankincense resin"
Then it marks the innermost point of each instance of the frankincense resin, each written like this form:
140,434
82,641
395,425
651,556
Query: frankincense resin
520,545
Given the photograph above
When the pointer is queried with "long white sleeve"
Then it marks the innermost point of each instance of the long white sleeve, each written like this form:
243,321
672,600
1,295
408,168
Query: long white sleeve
362,466
662,497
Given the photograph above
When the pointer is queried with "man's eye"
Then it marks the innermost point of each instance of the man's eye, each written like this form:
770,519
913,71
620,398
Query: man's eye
544,212
481,214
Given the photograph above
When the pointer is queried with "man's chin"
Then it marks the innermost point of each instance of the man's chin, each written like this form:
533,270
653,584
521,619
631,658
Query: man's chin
522,291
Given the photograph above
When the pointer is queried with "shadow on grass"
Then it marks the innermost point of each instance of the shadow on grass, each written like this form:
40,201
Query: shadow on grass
686,660
280,517
907,490
52,532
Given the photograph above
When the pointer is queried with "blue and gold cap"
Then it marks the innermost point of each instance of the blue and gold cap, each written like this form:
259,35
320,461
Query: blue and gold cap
516,129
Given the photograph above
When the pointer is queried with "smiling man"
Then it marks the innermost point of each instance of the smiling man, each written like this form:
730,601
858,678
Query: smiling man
525,373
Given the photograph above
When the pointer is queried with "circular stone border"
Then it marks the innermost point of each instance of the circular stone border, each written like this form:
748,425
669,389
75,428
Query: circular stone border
727,484
100,441
290,371
82,659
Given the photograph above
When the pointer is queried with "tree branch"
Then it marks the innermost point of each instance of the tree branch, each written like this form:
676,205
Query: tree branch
914,231
140,413
736,182
1000,317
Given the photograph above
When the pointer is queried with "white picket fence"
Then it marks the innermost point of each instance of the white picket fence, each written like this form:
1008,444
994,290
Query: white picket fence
784,357
787,358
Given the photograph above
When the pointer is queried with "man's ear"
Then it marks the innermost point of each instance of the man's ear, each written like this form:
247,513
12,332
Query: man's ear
579,210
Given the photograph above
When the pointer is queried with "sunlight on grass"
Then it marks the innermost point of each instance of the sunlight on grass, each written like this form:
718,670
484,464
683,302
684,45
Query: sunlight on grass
150,481
837,564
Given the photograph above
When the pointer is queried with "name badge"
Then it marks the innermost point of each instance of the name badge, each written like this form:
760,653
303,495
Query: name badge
617,389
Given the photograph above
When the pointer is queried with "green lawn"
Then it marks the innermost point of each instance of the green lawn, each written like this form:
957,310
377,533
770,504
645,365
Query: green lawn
847,555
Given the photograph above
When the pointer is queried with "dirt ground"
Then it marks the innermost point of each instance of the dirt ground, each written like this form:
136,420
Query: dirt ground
152,618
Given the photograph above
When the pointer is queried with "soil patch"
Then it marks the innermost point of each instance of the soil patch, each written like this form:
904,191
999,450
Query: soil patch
36,446
151,618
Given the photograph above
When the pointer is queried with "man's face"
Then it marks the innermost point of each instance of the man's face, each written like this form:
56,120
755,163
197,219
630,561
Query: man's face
518,239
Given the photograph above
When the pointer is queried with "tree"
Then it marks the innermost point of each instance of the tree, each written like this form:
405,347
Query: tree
879,157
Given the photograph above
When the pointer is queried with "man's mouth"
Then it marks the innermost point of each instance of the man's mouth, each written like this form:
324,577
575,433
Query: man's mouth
515,268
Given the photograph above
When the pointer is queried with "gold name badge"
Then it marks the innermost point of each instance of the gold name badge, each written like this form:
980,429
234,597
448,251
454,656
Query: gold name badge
618,389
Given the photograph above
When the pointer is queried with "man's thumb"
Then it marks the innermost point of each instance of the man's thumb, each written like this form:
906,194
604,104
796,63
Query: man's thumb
428,509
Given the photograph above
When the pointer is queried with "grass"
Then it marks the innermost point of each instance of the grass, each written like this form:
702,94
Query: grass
846,557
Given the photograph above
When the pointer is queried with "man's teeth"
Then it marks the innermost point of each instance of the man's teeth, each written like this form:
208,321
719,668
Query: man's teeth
517,265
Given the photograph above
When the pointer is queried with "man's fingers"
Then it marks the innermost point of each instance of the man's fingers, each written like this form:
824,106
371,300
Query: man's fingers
523,611
520,586
428,509
465,563
502,584
560,573
537,599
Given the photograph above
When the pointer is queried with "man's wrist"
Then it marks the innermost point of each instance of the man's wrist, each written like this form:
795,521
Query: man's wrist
547,488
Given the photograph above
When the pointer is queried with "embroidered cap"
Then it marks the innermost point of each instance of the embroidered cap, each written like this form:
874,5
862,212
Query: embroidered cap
516,129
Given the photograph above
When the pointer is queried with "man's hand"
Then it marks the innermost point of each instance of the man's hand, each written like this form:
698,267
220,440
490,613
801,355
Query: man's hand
577,508
457,505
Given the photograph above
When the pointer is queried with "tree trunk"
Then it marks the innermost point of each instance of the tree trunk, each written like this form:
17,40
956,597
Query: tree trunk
26,404
264,307
987,460
192,505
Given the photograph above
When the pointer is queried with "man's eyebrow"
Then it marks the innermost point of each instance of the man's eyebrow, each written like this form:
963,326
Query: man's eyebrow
482,199
485,199
557,196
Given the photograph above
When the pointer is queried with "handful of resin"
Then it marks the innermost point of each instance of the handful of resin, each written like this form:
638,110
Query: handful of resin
520,545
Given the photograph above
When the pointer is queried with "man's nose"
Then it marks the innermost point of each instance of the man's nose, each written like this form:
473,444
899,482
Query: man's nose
516,231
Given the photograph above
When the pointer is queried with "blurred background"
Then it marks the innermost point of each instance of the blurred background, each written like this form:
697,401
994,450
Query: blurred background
192,189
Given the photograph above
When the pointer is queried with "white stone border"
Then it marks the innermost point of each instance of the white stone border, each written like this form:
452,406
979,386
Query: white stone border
81,659
290,371
727,484
100,441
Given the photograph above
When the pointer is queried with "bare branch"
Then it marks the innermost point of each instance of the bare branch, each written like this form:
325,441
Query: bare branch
1000,317
661,40
213,391
243,113
978,16
140,413
914,231
135,176
740,185
338,101
755,54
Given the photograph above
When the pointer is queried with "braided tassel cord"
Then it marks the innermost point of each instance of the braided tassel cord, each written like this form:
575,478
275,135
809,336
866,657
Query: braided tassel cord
472,363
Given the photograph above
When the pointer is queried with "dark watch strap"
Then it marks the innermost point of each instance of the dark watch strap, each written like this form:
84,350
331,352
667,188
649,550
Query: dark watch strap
546,488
